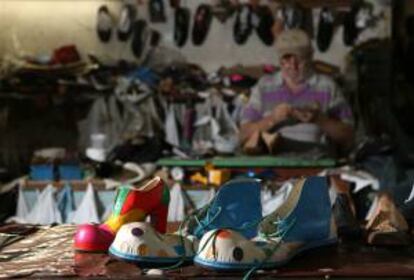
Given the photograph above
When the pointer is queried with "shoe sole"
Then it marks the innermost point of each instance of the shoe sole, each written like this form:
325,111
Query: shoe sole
269,265
150,262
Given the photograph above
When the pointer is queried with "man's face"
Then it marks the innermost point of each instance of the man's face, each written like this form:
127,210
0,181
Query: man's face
294,67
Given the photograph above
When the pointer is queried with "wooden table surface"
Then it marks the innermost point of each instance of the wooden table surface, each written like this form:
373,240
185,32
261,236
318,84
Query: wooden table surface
47,252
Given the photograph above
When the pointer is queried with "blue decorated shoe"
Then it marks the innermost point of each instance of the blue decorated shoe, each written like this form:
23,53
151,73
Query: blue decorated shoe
236,206
304,221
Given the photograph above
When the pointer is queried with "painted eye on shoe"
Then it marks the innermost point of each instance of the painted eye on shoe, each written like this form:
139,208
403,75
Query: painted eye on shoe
238,253
137,232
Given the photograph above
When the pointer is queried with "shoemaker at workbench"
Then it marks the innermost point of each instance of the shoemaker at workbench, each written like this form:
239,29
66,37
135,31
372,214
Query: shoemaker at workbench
296,109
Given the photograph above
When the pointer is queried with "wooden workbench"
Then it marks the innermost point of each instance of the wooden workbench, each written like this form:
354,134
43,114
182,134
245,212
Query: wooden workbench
51,255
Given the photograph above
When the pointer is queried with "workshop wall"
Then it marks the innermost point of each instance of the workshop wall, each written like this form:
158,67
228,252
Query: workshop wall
36,27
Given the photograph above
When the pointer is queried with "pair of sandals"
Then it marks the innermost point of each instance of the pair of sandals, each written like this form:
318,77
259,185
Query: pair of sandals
246,20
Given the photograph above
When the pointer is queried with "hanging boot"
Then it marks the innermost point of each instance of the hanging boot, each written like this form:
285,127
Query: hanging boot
304,221
131,205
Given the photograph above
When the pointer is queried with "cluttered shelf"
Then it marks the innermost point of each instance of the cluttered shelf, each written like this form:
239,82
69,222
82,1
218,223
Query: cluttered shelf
283,167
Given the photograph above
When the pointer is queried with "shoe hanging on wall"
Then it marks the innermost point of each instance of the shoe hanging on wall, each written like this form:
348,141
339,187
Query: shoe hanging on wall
350,30
325,29
126,21
140,35
296,16
293,16
104,24
202,22
132,204
156,11
265,24
181,25
243,24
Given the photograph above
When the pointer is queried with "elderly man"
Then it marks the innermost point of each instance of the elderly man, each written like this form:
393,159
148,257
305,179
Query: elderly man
306,109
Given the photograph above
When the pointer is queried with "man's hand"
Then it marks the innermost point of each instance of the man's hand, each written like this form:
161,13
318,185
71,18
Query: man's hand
281,112
306,114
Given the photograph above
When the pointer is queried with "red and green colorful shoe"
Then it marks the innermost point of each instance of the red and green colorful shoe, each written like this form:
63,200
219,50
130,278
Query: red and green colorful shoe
132,204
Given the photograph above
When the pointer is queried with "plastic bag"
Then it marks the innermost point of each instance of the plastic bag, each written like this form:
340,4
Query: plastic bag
171,129
202,140
215,128
104,117
87,212
45,210
22,209
66,202
225,131
176,207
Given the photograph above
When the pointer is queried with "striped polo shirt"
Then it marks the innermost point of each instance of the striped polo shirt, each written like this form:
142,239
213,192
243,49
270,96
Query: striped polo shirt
321,89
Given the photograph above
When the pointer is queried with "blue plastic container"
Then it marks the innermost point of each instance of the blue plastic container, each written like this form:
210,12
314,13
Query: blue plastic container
70,172
42,172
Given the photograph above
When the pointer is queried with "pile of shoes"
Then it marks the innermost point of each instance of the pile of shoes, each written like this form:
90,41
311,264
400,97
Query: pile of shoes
222,235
